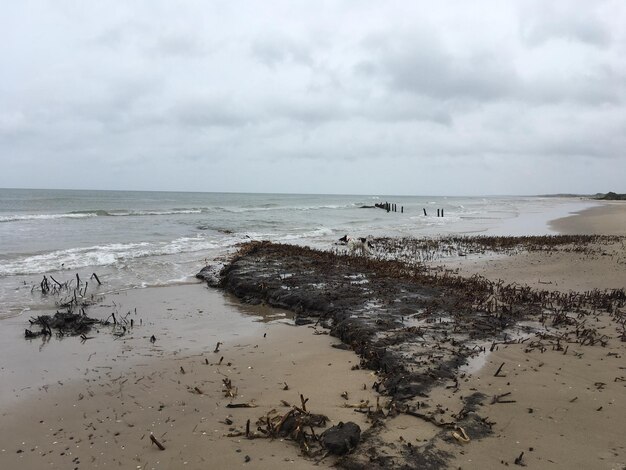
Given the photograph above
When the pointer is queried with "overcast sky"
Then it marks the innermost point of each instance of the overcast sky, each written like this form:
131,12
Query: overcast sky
368,97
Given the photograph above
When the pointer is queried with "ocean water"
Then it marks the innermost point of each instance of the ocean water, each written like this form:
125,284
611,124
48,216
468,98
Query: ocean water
133,239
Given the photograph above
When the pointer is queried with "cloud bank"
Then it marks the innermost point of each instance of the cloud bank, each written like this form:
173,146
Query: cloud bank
484,97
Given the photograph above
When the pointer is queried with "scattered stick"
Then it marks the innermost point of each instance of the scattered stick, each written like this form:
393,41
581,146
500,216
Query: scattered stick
499,398
497,374
157,443
302,399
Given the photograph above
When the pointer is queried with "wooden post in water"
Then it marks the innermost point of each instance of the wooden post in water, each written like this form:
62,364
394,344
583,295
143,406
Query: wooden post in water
441,212
424,209
401,209
437,212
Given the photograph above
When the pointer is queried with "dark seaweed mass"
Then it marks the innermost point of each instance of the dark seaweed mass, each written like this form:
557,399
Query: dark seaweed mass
412,326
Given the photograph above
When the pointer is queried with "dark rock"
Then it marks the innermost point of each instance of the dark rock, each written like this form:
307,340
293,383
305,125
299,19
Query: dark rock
344,346
341,439
209,274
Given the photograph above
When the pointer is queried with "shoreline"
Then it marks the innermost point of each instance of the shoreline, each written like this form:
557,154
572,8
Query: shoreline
609,218
104,415
122,403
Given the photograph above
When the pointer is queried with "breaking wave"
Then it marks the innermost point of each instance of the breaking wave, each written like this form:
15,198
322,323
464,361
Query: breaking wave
104,255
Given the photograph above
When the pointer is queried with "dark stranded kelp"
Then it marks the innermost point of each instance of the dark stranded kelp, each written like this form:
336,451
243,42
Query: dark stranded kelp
71,318
415,327
419,250
64,323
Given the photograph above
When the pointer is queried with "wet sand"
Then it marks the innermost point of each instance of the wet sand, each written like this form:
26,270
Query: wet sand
67,404
94,404
570,406
606,219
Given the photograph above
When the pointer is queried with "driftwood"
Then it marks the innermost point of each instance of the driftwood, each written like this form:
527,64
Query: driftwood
156,442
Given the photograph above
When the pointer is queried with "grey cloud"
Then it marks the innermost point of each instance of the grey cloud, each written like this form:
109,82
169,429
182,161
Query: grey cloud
570,21
428,70
419,90
422,66
596,86
179,45
273,50
211,112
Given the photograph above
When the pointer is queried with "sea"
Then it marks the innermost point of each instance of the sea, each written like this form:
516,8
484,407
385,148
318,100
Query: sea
138,239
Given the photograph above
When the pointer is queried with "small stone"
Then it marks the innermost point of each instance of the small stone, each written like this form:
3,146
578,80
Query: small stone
340,439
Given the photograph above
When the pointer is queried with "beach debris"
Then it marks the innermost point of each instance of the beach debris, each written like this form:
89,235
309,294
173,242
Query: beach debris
65,324
217,347
342,438
303,401
460,435
156,442
228,390
296,425
94,276
209,274
242,405
519,460
499,398
153,339
360,405
417,326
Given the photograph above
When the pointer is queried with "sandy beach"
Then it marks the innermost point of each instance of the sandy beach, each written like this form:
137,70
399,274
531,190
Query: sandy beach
95,403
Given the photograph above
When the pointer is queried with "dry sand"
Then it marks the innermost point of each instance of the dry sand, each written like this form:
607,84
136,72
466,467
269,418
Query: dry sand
570,408
67,404
605,268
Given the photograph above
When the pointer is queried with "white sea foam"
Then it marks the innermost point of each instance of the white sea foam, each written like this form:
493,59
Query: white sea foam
239,210
19,217
318,232
102,255
99,213
155,212
156,233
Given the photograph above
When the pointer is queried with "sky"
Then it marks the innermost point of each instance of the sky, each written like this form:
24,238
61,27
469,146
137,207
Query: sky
341,97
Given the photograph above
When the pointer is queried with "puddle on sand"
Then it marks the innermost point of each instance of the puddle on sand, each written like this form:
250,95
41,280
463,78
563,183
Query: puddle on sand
519,332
